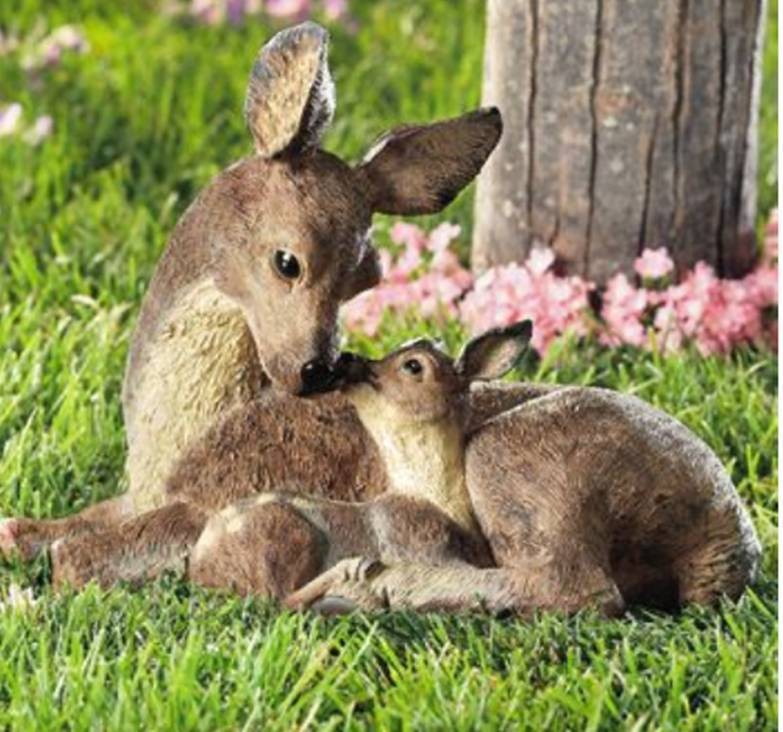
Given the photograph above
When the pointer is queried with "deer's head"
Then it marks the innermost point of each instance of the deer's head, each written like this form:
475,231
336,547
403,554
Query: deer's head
290,229
419,384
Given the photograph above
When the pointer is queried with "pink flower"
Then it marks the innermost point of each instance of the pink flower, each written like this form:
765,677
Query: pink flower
654,264
762,286
715,315
335,9
624,307
408,235
441,237
504,295
288,8
10,117
540,259
50,50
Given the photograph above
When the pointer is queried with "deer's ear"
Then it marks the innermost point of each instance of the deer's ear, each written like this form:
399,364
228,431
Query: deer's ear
421,169
290,96
495,352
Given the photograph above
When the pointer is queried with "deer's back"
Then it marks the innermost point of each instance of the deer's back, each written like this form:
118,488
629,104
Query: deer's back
597,467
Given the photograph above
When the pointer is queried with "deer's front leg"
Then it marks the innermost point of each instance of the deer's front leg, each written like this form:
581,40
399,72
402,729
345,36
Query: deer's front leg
135,550
29,537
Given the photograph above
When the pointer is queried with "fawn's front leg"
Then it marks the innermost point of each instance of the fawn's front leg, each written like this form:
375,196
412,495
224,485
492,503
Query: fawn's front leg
29,537
135,550
365,585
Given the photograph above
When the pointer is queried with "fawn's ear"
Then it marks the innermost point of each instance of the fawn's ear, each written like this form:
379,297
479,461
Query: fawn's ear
421,169
495,352
290,96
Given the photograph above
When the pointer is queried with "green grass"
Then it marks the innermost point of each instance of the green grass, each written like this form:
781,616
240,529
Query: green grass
142,122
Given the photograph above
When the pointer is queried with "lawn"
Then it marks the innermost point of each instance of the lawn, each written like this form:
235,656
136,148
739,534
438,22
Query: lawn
142,122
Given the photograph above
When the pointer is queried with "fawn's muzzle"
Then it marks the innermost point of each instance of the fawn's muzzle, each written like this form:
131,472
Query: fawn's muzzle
352,369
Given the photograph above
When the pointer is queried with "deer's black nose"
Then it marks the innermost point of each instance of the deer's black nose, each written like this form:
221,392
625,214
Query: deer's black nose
317,376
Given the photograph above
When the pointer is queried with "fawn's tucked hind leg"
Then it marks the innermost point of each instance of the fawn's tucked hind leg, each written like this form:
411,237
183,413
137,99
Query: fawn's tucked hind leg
135,550
259,546
353,584
29,537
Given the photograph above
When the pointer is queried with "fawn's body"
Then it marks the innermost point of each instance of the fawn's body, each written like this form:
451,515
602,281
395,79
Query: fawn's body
585,497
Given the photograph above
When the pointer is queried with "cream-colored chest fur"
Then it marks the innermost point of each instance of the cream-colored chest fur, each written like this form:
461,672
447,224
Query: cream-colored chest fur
424,460
201,362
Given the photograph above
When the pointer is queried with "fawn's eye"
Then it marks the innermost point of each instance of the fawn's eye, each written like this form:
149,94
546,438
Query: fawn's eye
287,264
412,366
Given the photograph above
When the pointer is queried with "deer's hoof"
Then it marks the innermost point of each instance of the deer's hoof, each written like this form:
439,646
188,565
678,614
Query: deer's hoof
9,531
334,605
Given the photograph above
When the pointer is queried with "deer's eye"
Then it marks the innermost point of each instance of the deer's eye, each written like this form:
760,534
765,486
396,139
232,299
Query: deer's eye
412,366
287,265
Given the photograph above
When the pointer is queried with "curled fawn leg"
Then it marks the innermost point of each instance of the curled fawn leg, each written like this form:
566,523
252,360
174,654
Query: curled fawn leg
360,584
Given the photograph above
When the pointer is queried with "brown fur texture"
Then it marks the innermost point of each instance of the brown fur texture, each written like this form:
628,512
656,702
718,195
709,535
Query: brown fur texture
221,325
586,497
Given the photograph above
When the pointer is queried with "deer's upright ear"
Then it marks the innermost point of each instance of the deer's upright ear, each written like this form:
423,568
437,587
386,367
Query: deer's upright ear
421,169
495,352
290,96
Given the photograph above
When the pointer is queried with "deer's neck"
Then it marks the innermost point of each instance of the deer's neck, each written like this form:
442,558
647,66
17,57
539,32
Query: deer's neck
427,461
196,361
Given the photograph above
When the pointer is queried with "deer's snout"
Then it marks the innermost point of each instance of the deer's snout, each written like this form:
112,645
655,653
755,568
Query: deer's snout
317,376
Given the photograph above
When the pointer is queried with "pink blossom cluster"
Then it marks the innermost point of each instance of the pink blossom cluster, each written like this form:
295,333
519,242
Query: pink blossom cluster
11,123
714,314
214,12
423,273
38,51
504,295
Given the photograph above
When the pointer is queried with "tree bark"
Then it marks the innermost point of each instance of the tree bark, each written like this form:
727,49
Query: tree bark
627,124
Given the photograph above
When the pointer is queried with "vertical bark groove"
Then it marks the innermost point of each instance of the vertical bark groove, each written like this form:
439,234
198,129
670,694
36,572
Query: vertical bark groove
531,112
677,114
721,157
594,132
648,176
751,61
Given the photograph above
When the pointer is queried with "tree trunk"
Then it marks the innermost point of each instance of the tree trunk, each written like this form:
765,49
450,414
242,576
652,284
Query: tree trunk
628,124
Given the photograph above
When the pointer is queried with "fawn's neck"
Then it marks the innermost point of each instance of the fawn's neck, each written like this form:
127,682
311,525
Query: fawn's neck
427,461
